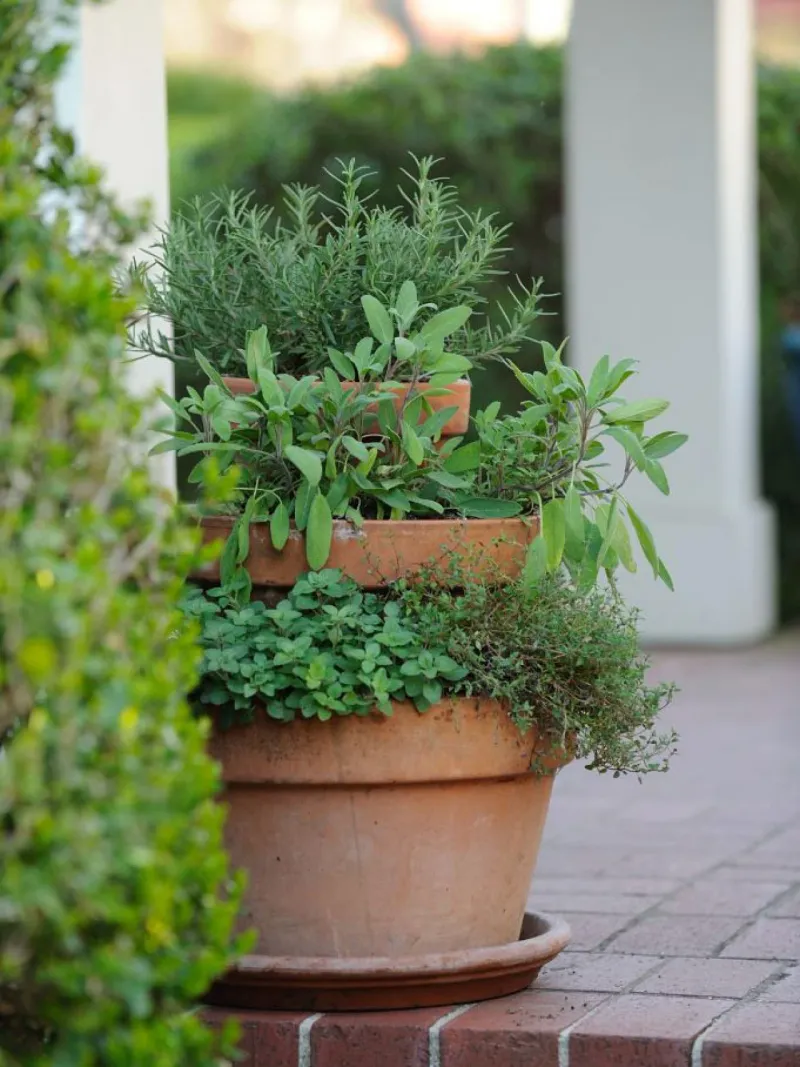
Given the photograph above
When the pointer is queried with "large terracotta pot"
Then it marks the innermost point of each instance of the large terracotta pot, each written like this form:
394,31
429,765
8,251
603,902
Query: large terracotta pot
458,395
388,837
380,552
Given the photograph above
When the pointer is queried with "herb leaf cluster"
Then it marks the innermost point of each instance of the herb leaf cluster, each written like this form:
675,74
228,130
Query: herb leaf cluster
564,661
314,449
225,267
561,661
327,649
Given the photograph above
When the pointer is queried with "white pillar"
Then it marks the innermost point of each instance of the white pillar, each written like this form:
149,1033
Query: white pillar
662,267
113,97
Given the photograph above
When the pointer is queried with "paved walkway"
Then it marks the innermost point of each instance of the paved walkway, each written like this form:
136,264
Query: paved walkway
684,891
684,898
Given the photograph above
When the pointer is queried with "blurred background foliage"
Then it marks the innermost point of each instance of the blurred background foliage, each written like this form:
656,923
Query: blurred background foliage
496,120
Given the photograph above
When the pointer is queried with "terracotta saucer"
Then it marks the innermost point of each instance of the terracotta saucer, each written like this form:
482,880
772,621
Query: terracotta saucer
328,984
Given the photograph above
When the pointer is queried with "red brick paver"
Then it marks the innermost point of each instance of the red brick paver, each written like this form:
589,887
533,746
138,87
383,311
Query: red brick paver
515,1031
707,977
683,894
595,972
755,1035
654,1031
677,935
373,1039
590,931
788,907
767,939
720,896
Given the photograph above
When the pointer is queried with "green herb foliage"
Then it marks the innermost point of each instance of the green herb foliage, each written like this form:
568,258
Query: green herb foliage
563,662
227,267
312,450
116,905
497,118
327,649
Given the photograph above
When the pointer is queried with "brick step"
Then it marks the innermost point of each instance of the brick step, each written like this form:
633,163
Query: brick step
588,1010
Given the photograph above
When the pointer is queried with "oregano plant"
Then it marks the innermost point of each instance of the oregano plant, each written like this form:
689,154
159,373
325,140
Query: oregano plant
328,648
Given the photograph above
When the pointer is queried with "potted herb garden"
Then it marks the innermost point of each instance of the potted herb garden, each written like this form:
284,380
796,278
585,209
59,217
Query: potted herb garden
409,630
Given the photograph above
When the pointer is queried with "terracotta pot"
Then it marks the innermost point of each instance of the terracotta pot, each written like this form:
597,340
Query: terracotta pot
380,552
389,837
459,394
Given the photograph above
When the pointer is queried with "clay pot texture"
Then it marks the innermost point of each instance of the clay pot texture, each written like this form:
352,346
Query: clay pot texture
325,983
392,837
381,551
458,395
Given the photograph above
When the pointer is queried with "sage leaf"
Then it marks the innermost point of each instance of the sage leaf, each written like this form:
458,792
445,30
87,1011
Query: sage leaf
554,532
412,444
306,461
489,508
636,411
664,444
378,318
441,325
645,539
319,533
279,526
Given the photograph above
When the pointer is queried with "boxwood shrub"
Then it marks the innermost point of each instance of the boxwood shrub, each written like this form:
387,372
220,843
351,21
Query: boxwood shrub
116,904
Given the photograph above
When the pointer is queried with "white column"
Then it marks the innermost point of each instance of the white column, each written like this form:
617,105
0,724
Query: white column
662,267
113,97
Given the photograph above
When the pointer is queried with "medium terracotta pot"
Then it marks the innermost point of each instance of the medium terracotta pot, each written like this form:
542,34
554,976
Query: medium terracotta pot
459,394
391,837
381,551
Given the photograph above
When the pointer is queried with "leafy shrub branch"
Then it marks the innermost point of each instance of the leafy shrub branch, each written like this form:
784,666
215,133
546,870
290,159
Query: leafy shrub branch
116,904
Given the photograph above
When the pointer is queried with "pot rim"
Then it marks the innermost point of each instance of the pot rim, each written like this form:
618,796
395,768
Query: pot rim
373,525
420,382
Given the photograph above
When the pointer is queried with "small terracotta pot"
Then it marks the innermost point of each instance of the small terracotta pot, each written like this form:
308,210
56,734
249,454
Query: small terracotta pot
381,551
459,394
391,837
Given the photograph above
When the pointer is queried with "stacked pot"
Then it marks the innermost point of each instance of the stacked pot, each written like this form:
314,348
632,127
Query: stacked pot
388,858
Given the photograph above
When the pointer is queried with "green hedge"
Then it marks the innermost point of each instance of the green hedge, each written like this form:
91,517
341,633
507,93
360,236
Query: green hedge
496,120
116,904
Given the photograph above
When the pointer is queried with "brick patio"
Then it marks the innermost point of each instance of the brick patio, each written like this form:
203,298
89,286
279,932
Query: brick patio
684,898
